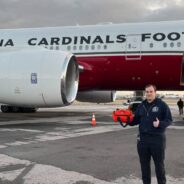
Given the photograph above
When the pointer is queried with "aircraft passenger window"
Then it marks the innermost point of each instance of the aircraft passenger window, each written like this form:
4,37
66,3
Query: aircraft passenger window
92,47
51,48
99,47
80,47
165,44
151,45
179,44
68,47
87,47
57,47
171,44
74,48
105,46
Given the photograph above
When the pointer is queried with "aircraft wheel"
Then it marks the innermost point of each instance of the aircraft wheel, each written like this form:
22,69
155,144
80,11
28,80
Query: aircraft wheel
5,108
34,109
15,109
28,109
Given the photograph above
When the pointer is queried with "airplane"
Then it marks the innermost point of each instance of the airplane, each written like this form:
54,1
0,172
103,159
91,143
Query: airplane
53,66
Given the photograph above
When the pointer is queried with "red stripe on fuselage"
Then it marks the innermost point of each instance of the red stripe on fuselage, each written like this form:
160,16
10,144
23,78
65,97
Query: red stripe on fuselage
117,73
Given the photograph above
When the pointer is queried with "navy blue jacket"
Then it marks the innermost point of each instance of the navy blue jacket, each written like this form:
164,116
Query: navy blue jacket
146,113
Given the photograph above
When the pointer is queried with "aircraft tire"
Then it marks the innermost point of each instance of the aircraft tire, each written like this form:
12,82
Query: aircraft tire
15,109
28,109
6,108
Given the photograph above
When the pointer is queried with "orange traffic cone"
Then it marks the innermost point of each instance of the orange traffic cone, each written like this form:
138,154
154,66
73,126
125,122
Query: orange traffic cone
93,121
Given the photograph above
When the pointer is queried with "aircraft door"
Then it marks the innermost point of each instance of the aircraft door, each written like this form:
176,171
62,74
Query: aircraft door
182,72
133,47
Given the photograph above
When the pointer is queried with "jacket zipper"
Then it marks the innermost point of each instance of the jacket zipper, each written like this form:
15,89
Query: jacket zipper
147,111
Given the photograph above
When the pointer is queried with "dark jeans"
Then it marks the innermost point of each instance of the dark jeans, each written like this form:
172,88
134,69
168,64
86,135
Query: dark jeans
180,111
152,146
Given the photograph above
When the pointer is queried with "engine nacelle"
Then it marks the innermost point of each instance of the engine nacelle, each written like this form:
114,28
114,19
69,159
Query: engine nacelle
36,77
97,96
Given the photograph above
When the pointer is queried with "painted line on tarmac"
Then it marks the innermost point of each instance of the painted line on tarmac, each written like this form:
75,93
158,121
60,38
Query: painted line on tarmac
15,130
63,133
176,127
2,146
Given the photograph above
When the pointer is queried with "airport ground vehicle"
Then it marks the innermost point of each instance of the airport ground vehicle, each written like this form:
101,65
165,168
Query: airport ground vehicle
133,105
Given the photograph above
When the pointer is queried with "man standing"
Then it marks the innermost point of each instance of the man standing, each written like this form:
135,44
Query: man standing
153,116
180,106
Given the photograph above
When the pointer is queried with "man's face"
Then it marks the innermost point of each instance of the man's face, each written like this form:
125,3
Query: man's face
150,94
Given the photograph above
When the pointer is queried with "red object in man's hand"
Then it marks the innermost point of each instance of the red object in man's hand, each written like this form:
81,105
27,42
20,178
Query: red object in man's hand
123,116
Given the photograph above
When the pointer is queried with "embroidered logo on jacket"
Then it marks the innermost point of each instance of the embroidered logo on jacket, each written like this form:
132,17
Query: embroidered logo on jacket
155,109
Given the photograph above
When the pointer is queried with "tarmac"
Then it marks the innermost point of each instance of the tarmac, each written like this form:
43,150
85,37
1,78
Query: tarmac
59,146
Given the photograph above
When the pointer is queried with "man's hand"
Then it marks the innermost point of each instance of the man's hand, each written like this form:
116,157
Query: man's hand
156,123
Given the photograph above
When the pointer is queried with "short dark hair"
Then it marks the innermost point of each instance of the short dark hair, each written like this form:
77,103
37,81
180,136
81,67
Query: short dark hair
151,85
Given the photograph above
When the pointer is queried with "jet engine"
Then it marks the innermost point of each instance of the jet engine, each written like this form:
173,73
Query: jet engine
36,77
97,96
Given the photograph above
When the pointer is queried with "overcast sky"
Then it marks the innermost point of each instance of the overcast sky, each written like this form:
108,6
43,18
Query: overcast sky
45,13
